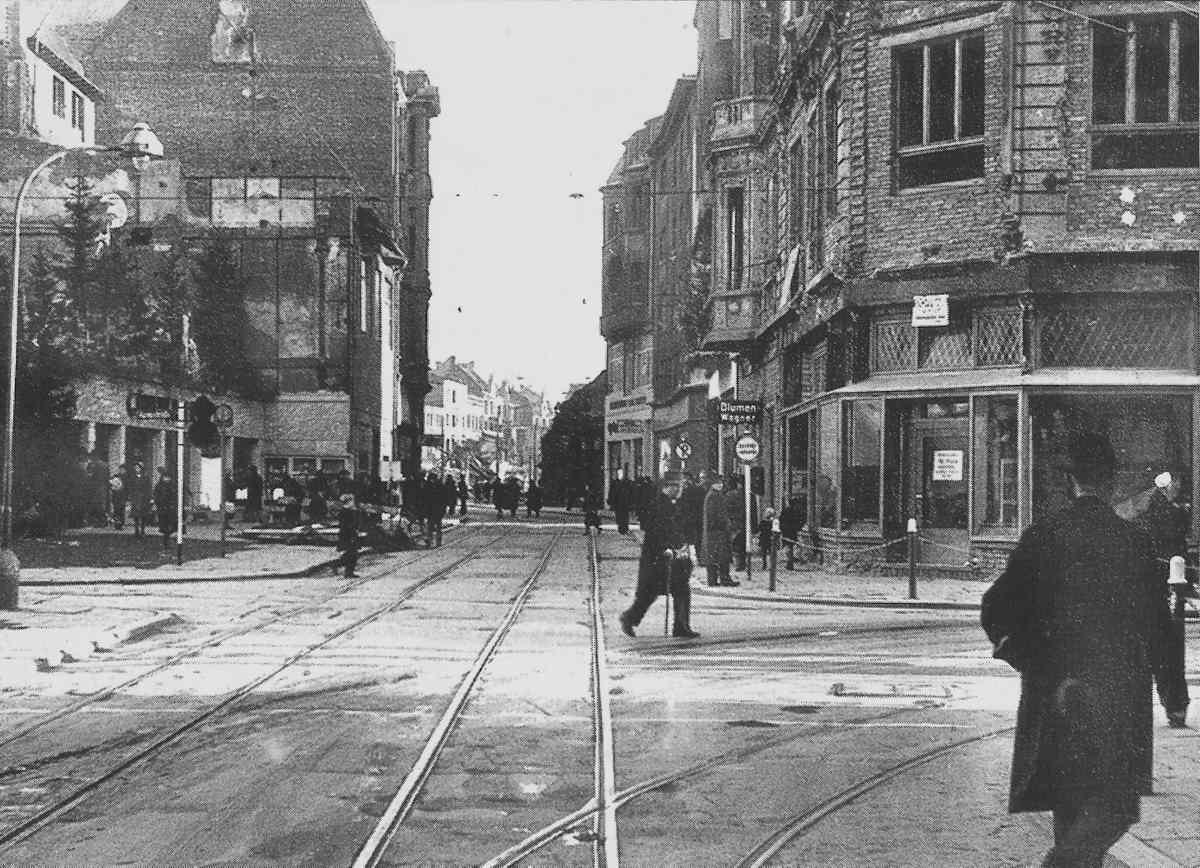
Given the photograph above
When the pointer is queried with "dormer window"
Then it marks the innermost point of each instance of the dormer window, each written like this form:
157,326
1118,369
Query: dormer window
1144,92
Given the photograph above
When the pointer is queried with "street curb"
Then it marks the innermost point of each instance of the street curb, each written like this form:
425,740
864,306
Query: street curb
842,601
1131,852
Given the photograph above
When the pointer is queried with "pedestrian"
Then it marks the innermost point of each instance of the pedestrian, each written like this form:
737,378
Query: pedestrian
691,506
620,500
533,500
254,495
591,510
462,497
118,496
450,494
140,494
663,566
735,507
791,525
1081,612
347,539
717,541
498,497
165,506
1168,520
512,496
766,534
434,503
316,506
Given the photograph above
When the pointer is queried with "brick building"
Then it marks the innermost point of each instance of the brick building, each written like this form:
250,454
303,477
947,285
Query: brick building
309,153
982,236
945,235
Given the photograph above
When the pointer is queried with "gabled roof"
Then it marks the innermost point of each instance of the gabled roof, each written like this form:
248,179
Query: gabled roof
339,34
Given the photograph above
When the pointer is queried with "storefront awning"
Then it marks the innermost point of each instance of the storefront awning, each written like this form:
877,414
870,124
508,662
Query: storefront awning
931,382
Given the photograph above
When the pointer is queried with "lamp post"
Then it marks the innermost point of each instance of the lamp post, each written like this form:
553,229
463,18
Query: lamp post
142,145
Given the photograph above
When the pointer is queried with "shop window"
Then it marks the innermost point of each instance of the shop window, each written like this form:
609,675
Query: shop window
826,492
997,337
861,429
995,428
939,97
1144,92
1110,335
1149,434
793,373
893,346
798,447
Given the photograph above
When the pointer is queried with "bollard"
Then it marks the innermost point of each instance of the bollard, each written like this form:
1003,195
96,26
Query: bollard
1174,677
912,558
774,558
10,580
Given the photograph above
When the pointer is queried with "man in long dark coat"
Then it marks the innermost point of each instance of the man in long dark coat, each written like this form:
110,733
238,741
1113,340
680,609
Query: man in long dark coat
620,500
1080,611
717,537
663,565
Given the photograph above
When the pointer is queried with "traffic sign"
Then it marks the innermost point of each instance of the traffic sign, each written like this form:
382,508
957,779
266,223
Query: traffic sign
223,416
684,450
747,449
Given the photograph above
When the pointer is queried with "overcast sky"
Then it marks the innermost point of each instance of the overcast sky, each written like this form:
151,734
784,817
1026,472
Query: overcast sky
537,96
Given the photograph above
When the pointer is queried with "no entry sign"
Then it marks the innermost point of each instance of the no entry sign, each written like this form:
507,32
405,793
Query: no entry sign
747,449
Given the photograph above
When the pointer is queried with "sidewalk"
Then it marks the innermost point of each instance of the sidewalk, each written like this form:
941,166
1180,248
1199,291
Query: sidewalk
1169,831
68,610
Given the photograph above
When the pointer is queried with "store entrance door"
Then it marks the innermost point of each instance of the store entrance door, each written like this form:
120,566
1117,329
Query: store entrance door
938,481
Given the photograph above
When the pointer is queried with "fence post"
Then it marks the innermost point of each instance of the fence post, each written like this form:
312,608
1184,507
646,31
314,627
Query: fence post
774,553
912,558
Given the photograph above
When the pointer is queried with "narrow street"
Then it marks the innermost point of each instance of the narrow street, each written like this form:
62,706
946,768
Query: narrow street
285,739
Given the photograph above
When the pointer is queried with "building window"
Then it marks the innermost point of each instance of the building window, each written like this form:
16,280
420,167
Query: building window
831,119
862,429
796,199
58,97
364,299
77,111
893,346
612,221
1144,92
939,89
943,347
1107,334
814,229
825,492
995,422
735,235
616,368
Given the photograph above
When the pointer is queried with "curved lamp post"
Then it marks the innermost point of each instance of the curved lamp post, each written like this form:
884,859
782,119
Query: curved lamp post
141,145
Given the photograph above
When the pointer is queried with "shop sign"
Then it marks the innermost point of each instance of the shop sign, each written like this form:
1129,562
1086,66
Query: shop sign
747,449
739,412
931,310
947,465
150,407
626,426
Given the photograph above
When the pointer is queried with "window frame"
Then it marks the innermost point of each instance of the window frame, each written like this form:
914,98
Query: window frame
58,96
78,112
1130,126
957,142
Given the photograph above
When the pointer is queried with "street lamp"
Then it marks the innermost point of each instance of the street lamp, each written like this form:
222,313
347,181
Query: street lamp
141,145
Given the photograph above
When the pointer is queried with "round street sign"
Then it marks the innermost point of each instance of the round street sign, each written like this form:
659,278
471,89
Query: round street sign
684,450
747,449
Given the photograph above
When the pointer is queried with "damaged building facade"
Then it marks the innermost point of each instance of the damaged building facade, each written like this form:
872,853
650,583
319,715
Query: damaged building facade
945,237
306,153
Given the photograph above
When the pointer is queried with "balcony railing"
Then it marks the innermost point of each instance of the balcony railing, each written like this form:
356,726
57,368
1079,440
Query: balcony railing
738,118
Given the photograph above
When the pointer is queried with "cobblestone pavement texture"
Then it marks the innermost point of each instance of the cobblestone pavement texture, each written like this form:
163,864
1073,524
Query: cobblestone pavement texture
59,621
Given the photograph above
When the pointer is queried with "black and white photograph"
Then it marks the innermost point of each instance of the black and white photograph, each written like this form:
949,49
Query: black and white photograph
605,433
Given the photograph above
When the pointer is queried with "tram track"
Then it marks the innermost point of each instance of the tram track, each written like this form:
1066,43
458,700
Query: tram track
159,743
215,641
376,845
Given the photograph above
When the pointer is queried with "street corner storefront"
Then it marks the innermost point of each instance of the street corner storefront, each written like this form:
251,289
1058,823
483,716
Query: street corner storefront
975,458
627,437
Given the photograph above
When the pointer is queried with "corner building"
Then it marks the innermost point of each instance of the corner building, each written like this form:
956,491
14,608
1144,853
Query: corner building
948,235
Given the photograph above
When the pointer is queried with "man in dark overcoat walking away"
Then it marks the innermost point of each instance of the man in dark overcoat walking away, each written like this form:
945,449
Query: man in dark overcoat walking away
620,500
1081,612
663,565
254,494
717,541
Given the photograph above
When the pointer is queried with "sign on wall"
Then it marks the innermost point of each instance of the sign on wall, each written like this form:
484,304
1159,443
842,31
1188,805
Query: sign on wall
931,310
739,412
947,465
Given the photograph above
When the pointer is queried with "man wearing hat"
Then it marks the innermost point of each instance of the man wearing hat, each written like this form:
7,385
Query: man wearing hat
1081,612
348,522
1168,521
664,564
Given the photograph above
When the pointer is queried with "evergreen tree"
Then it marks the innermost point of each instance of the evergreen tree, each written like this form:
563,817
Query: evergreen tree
219,322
